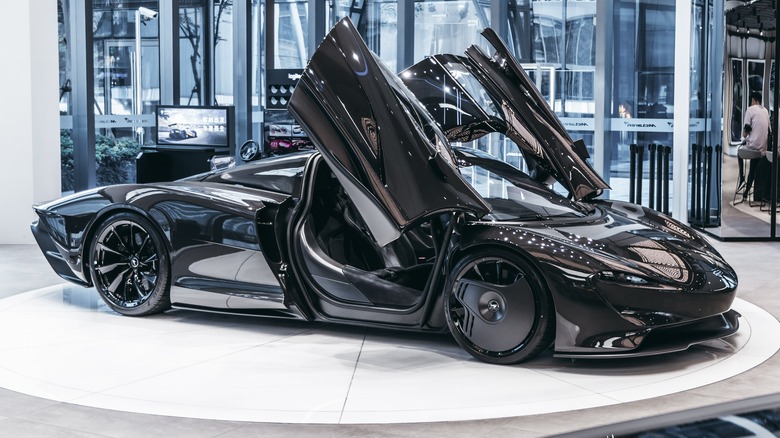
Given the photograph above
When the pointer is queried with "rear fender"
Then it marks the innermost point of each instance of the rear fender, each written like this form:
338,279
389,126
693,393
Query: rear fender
101,216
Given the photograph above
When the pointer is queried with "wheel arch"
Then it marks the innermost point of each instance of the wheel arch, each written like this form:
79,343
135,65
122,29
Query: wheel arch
473,246
486,237
542,332
103,215
566,274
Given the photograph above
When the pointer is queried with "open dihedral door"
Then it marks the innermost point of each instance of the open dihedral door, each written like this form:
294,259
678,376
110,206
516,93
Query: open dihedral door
387,152
449,85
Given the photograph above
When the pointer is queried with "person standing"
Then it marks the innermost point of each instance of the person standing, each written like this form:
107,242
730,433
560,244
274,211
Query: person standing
755,134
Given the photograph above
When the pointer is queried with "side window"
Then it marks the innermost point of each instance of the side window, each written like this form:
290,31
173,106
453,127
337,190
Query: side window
281,175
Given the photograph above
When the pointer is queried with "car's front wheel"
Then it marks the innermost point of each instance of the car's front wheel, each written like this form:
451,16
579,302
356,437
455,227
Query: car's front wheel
130,266
497,308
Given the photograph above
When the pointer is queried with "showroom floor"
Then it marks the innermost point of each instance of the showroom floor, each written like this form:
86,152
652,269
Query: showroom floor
25,277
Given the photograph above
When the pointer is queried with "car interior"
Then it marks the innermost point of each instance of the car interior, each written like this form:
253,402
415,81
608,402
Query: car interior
340,247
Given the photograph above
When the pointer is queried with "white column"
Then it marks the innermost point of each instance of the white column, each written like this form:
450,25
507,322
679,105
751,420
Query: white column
29,115
682,106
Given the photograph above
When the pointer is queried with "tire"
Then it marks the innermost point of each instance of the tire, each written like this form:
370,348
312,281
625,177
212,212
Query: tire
130,266
497,308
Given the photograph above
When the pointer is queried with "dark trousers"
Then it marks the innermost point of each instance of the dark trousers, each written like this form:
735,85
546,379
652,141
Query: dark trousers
754,175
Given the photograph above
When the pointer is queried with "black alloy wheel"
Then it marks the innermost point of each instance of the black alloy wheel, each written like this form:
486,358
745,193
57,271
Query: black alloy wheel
497,308
130,266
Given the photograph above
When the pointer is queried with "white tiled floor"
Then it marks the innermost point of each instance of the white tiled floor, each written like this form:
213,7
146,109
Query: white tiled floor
62,343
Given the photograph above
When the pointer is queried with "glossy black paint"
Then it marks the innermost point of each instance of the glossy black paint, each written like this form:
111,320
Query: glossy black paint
209,228
377,138
367,230
686,280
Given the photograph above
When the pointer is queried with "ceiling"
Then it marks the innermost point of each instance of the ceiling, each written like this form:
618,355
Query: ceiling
756,15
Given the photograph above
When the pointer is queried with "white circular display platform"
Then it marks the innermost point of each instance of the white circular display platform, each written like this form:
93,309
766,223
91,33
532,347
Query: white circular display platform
62,343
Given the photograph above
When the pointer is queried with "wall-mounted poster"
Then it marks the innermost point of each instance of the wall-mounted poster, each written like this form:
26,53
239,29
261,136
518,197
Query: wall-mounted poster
736,100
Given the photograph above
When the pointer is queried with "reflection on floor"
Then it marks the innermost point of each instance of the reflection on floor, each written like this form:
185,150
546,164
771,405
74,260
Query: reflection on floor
68,346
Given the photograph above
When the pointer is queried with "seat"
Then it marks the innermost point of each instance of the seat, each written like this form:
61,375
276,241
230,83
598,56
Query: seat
343,236
747,170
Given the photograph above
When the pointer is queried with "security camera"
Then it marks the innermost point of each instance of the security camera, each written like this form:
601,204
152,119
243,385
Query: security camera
147,13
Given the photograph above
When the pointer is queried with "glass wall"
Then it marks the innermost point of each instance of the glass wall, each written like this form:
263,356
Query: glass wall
66,88
223,52
613,91
447,26
642,86
747,49
379,27
257,85
291,32
376,20
126,84
519,16
563,59
192,42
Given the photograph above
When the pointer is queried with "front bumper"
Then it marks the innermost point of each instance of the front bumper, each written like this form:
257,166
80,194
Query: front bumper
659,340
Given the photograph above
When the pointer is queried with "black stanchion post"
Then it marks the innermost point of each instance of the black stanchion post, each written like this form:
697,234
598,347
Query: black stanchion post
667,154
694,181
700,179
707,184
718,176
659,176
651,174
640,170
631,172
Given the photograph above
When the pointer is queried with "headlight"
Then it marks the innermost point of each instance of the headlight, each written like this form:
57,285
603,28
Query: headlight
623,277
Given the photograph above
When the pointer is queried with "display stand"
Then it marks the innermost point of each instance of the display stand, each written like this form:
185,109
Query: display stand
159,165
281,133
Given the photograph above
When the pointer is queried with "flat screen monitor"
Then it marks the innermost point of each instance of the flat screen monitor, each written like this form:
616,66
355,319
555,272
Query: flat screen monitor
194,126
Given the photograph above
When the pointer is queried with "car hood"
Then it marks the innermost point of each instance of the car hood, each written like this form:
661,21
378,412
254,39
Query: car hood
624,242
449,86
604,235
388,153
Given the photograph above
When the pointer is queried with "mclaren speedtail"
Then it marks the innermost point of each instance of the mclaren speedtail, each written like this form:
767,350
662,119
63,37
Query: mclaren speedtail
392,222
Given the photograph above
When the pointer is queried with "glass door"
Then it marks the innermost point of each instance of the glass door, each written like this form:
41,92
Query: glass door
119,85
117,94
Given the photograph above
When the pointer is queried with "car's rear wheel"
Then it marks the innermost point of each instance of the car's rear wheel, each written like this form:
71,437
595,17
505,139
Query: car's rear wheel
497,308
130,266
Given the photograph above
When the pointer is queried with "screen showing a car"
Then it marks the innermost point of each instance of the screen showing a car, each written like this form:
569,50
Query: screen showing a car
194,126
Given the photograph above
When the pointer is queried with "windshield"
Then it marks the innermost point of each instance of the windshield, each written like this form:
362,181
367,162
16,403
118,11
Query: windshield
511,193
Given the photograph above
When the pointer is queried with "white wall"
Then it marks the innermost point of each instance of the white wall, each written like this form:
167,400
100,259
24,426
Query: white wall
29,114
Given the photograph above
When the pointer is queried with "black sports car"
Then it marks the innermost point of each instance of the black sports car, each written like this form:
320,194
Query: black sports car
388,225
182,133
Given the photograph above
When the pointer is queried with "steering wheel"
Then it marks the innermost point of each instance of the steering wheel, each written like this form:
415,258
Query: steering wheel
249,151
